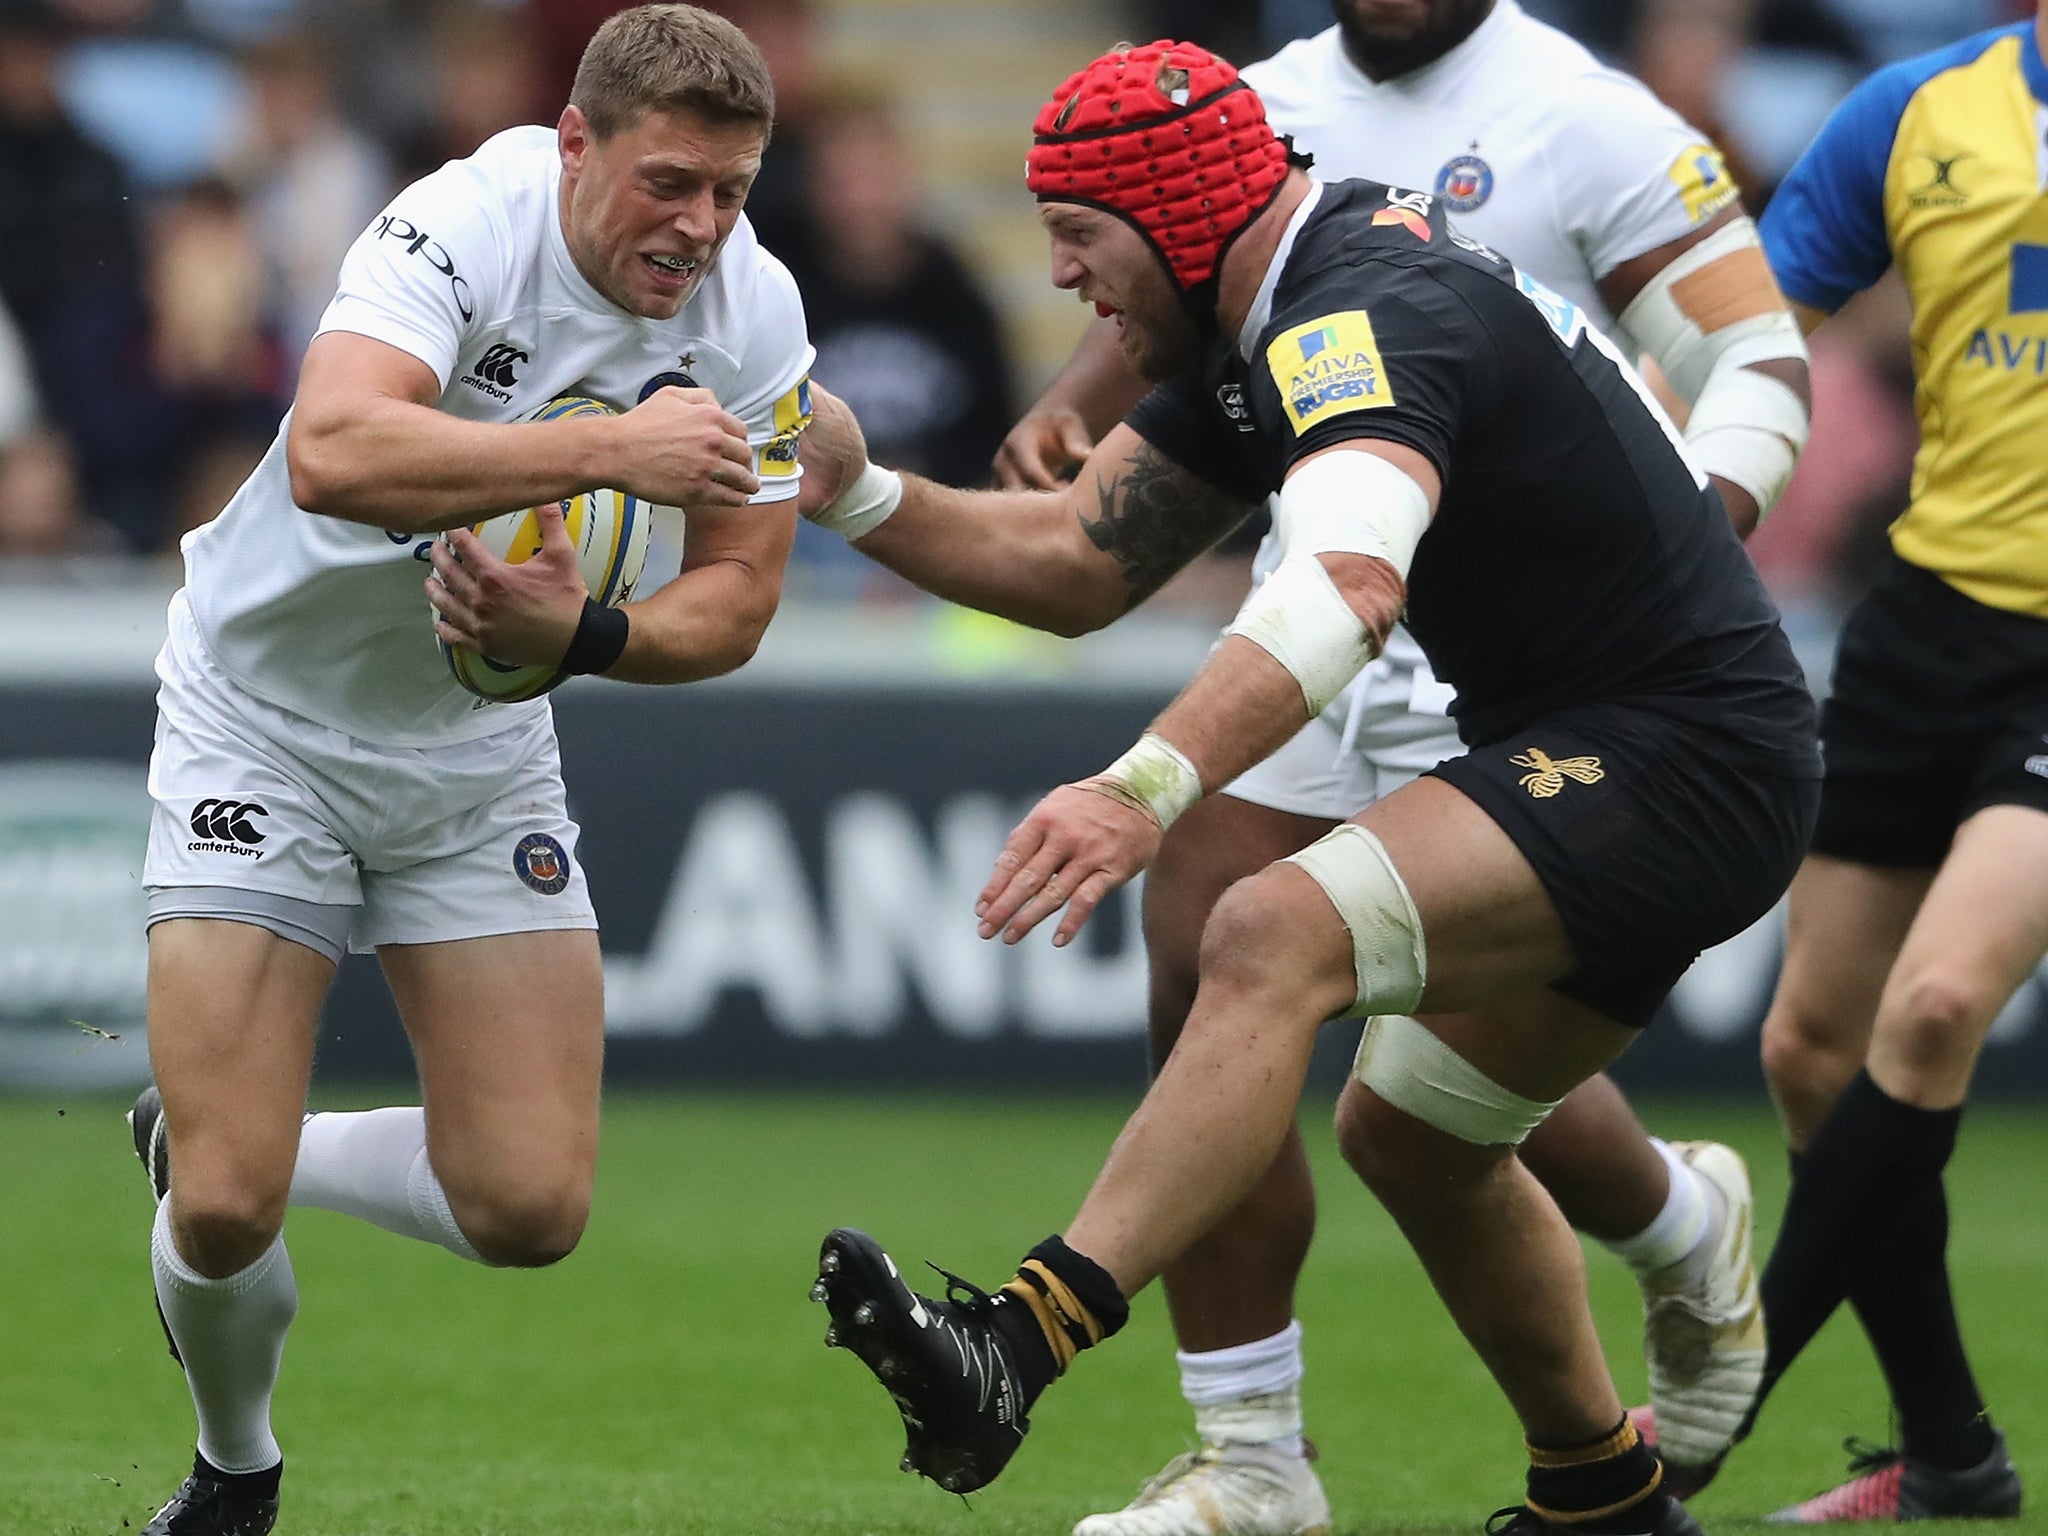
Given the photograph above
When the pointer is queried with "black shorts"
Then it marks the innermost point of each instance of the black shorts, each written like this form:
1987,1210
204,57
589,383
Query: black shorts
1939,708
1652,840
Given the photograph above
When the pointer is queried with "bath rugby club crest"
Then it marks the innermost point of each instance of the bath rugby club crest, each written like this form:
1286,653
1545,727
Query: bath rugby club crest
678,377
540,862
1464,183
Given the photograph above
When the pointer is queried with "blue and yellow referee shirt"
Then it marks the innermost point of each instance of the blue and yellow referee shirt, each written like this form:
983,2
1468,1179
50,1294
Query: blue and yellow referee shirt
1940,165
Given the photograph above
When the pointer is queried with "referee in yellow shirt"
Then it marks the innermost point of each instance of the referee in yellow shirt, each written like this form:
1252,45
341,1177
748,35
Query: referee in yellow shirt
1924,902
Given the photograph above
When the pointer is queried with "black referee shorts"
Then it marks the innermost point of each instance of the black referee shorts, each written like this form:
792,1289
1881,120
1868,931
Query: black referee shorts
1651,842
1939,708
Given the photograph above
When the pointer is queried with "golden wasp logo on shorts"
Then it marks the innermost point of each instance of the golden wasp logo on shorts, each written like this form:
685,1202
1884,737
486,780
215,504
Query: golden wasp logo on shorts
1328,367
1551,772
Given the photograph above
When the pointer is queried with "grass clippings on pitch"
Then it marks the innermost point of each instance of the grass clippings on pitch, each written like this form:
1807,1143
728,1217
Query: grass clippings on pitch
670,1377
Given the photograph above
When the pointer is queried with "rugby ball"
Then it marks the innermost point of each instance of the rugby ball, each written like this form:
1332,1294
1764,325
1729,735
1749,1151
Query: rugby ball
609,529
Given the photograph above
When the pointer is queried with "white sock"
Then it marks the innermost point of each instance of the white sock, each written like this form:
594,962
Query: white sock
373,1166
1680,1235
230,1335
1248,1393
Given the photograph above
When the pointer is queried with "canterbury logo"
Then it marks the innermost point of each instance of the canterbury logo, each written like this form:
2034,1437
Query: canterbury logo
1550,772
496,364
227,821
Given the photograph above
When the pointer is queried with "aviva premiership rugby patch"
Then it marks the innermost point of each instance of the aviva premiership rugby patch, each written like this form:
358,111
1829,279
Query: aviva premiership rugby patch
1703,182
792,415
1328,367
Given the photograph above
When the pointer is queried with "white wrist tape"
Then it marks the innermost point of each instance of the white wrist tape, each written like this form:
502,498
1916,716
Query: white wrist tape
1698,322
1748,428
1352,503
864,505
1155,777
1299,618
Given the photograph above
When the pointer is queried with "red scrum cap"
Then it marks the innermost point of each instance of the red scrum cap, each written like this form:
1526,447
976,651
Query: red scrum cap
1167,138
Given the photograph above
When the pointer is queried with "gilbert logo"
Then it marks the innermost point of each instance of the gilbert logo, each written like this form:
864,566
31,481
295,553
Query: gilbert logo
1940,189
1549,773
493,372
224,826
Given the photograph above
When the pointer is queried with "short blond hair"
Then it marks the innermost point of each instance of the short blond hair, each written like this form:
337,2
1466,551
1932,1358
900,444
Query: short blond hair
671,58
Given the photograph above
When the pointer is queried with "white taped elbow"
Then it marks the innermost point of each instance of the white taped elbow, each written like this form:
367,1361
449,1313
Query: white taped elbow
1712,309
1300,619
1749,428
1351,502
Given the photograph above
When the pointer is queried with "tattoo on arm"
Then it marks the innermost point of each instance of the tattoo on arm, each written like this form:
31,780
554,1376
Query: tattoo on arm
1156,517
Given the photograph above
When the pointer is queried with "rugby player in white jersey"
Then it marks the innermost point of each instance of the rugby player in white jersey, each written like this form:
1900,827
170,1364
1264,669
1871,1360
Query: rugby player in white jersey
320,780
1586,182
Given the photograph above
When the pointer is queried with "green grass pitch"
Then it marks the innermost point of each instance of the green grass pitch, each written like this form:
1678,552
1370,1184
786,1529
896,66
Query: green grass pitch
670,1377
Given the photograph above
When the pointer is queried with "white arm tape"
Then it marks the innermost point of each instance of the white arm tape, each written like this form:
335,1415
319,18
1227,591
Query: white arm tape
1748,428
864,505
1155,777
1352,503
1688,355
1300,619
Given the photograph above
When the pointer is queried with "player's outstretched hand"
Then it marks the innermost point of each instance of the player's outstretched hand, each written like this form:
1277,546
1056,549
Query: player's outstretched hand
1044,450
524,614
833,451
1077,845
681,448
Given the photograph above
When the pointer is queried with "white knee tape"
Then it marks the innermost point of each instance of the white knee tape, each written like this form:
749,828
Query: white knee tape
1411,1069
1352,867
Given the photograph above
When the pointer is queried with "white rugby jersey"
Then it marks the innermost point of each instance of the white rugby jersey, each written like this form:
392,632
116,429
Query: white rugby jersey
468,270
1564,166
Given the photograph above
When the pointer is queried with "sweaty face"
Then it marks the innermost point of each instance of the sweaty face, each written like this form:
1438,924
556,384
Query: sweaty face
646,211
1386,38
1109,264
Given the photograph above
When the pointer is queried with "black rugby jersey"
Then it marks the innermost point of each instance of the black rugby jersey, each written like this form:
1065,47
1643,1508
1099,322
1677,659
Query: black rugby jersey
1574,556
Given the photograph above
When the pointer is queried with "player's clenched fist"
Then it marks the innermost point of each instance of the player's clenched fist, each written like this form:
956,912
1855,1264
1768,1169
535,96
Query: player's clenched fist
681,448
1043,451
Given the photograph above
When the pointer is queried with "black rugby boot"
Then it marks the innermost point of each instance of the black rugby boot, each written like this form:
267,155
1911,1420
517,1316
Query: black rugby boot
212,1503
947,1364
1658,1515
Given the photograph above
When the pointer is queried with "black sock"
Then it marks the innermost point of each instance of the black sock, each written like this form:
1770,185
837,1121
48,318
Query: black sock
1029,1351
1599,1487
1064,1303
1905,1305
1842,1216
244,1485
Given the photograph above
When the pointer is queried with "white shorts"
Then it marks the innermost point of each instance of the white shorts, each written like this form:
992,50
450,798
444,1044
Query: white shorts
428,844
1383,730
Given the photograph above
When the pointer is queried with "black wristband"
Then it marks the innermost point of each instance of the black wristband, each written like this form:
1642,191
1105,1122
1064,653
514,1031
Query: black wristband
599,640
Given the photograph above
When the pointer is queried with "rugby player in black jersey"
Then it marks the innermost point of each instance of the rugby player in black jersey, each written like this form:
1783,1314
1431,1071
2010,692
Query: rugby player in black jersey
1447,437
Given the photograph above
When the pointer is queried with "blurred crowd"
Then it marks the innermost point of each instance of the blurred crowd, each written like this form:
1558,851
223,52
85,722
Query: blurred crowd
180,178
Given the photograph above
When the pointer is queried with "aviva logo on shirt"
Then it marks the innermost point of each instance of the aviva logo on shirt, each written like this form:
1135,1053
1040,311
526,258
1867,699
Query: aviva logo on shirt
1327,368
1704,185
